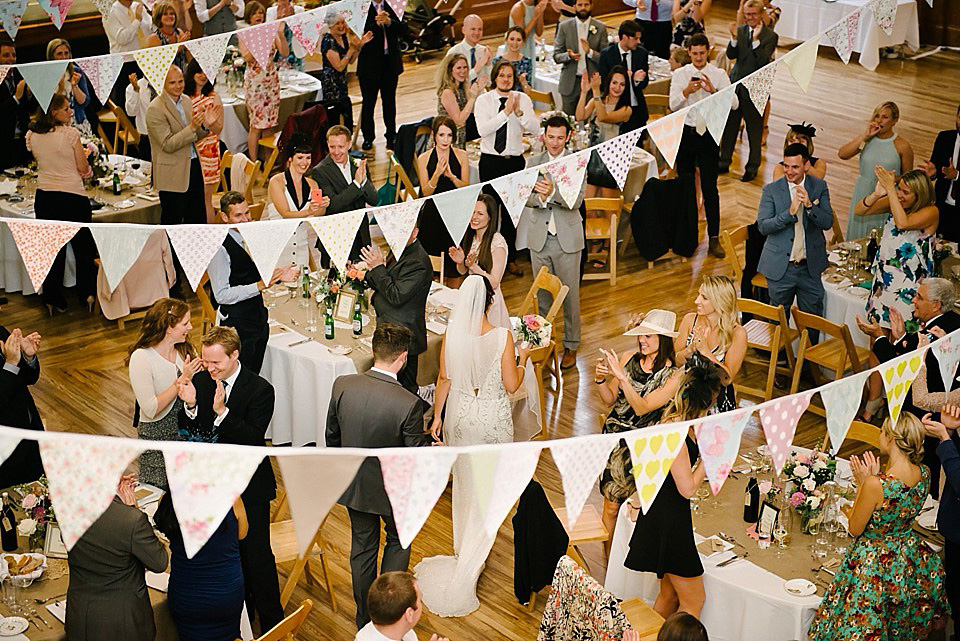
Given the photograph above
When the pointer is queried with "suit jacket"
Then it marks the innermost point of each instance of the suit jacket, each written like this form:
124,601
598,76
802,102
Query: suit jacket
372,62
170,142
19,410
747,57
565,215
941,156
13,114
639,59
567,39
777,223
107,597
401,293
343,196
251,409
948,518
885,350
372,410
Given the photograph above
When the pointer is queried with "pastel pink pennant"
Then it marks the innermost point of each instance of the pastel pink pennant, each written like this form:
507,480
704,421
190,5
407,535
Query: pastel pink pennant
514,190
260,40
843,35
39,243
779,421
718,437
397,221
569,173
885,14
306,28
102,72
947,351
398,6
57,10
413,482
666,133
195,246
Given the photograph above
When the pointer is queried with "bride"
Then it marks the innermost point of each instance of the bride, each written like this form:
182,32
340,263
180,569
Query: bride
478,372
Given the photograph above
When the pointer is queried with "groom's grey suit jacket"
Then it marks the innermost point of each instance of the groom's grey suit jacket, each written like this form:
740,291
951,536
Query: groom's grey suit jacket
566,215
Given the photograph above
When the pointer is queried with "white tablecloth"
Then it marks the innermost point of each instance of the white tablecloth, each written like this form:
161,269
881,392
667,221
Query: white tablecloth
803,19
842,305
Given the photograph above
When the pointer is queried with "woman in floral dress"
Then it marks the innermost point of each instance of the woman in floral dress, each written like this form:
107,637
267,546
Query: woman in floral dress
905,256
261,84
204,97
890,585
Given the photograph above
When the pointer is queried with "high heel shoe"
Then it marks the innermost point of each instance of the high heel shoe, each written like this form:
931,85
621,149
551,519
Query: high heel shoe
53,309
91,301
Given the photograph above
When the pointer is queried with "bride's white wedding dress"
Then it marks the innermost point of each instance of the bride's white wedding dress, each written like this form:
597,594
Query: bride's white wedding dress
473,417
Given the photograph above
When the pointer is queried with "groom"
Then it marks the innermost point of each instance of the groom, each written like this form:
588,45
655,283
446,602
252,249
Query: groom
374,410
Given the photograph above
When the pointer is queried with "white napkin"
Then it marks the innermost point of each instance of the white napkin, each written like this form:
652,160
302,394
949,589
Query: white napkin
59,610
8,187
437,328
158,580
445,297
124,204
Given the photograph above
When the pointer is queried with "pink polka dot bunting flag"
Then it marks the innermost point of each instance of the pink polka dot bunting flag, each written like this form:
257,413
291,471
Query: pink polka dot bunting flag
617,154
195,246
718,437
83,476
779,421
337,233
580,462
155,63
843,35
414,481
259,40
841,400
265,241
885,13
11,13
56,9
499,477
947,351
715,110
653,450
209,52
398,6
759,84
568,173
396,223
802,60
898,376
306,28
456,209
39,243
102,72
43,78
514,190
666,133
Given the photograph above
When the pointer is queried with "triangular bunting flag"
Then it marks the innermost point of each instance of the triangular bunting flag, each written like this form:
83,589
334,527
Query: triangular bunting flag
43,79
396,223
11,13
102,72
103,6
313,485
414,481
898,376
885,13
456,209
715,111
39,243
56,9
120,246
947,351
515,189
83,477
617,154
841,400
499,477
843,35
580,462
802,60
930,2
155,63
718,437
337,234
666,133
355,13
195,246
779,421
568,173
759,84
653,450
265,241
306,28
4,70
209,52
398,6
8,443
204,484
259,41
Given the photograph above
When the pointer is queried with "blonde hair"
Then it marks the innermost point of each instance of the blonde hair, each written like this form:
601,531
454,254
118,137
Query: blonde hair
889,104
919,183
722,294
907,435
226,337
55,44
445,74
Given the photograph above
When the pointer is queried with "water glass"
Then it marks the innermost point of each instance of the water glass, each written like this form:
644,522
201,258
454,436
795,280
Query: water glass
313,316
11,594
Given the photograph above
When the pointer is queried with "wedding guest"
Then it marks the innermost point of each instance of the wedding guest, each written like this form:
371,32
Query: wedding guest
228,403
379,66
283,9
879,145
295,50
137,98
158,360
75,85
655,18
61,167
698,150
577,48
634,389
803,134
478,55
522,64
555,233
261,84
526,15
455,99
340,48
148,280
486,255
20,370
400,297
395,420
166,32
204,97
751,46
219,16
714,331
16,105
629,53
871,595
395,604
107,596
662,540
948,515
678,58
127,25
689,17
604,115
942,168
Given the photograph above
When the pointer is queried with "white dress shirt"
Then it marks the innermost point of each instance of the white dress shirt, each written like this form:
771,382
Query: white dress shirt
629,64
753,37
799,250
228,387
219,271
203,9
552,223
489,118
137,102
582,32
680,80
464,48
122,27
385,373
272,12
950,200
369,632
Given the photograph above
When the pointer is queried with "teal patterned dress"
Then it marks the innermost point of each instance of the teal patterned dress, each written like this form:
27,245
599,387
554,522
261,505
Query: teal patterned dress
890,586
904,259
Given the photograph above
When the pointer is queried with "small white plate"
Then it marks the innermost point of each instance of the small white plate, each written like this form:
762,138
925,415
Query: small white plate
12,626
763,450
800,587
928,520
340,350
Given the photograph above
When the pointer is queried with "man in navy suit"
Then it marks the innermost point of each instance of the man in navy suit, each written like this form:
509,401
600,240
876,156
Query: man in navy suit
948,516
630,54
944,168
793,214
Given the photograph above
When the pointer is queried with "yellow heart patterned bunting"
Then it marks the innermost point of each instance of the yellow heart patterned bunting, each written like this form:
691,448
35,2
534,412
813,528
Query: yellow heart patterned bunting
653,450
898,376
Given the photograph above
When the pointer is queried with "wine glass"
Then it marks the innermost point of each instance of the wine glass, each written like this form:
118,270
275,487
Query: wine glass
844,254
781,535
703,492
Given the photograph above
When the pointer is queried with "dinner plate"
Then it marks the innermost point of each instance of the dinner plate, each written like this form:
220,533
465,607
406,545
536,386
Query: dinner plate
12,626
800,587
928,520
340,350
763,450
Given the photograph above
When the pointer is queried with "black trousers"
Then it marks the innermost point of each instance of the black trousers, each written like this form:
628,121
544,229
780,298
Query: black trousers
364,546
932,461
260,580
59,205
656,37
700,151
254,335
493,166
951,567
143,148
386,86
408,375
949,225
747,112
185,207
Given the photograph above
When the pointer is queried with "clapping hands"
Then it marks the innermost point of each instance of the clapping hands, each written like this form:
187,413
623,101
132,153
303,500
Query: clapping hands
372,256
457,255
126,489
864,468
220,399
886,179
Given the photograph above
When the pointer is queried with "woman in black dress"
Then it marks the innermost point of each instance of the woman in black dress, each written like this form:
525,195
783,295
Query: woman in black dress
662,540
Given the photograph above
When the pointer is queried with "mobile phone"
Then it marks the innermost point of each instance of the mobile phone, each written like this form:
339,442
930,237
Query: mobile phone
695,79
356,155
316,195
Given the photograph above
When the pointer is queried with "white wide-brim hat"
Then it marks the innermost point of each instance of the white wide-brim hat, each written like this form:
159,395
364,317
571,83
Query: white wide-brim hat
657,321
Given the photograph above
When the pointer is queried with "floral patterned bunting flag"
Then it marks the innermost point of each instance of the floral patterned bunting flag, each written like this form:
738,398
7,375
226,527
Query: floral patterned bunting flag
155,63
718,437
843,35
306,28
779,420
102,72
666,133
57,10
580,462
898,376
514,190
209,53
337,234
259,41
414,481
265,241
715,110
396,223
569,173
456,209
802,60
355,14
195,246
43,78
885,13
653,450
39,243
947,351
841,400
617,154
759,84
120,246
4,70
11,13
103,6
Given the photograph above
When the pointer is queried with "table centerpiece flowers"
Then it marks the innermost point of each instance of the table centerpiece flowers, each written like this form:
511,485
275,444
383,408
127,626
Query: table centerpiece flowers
805,476
38,508
355,279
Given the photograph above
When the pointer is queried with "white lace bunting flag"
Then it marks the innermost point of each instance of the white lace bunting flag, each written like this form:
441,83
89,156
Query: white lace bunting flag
120,246
414,481
195,246
456,208
580,462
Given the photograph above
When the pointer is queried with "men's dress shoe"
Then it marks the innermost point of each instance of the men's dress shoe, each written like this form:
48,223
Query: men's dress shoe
748,176
367,145
715,249
515,269
723,169
569,359
391,143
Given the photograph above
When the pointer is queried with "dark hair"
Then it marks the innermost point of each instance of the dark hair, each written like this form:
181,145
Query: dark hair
628,28
518,29
557,121
682,626
484,254
252,8
700,384
489,293
624,100
44,122
229,199
503,62
390,596
665,353
698,40
5,41
190,80
797,149
444,121
389,341
299,143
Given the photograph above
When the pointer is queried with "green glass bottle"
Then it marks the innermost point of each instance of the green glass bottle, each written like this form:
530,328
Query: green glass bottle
328,324
357,319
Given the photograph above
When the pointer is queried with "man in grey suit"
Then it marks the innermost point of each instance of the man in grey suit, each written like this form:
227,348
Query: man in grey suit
577,47
373,410
555,234
793,214
107,597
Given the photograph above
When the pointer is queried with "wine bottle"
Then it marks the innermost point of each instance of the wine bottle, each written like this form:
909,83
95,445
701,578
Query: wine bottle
872,246
751,501
116,184
328,325
8,526
357,320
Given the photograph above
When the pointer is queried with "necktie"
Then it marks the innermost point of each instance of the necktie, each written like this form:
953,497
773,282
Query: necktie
500,142
625,65
654,11
140,36
955,190
473,57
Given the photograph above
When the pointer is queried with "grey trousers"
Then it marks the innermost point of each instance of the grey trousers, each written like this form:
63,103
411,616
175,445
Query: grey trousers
569,101
566,267
365,528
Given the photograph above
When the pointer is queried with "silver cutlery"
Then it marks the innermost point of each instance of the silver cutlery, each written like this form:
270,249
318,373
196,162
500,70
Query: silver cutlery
729,539
49,598
295,343
733,559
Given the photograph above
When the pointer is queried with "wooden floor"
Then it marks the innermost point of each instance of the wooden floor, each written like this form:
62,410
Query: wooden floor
84,386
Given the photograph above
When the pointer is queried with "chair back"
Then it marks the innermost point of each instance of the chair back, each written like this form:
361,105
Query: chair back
731,241
226,162
549,283
723,62
860,432
405,188
256,209
437,262
837,231
805,321
658,105
544,97
125,131
287,629
774,314
599,228
208,315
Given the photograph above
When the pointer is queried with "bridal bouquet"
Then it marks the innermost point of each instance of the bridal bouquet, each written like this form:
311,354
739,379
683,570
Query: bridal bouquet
532,329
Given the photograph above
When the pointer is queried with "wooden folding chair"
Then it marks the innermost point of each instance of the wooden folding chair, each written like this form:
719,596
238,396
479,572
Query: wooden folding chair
287,629
271,143
437,262
860,432
283,542
107,116
125,133
731,242
658,105
644,619
604,228
395,171
256,209
837,231
208,315
251,170
768,331
543,97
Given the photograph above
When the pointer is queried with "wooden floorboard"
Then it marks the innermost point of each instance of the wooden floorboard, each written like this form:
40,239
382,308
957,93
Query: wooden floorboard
84,386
